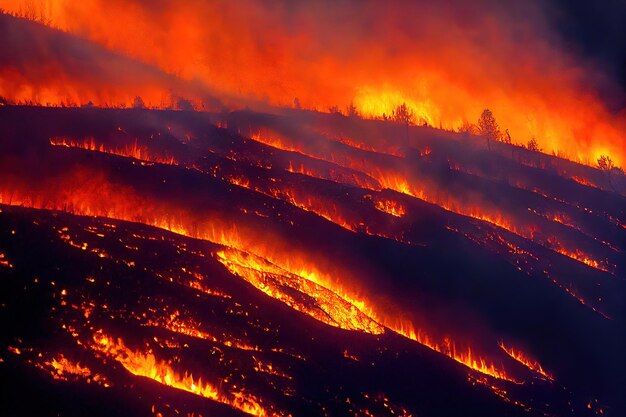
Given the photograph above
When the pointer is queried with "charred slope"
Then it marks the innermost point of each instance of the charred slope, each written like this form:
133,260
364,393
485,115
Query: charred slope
168,305
352,235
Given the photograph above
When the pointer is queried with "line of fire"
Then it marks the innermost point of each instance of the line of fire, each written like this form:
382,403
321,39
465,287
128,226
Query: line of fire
307,209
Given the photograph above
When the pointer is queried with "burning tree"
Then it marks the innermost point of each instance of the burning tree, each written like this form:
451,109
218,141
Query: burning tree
488,127
334,110
606,165
138,103
468,128
352,111
405,116
532,145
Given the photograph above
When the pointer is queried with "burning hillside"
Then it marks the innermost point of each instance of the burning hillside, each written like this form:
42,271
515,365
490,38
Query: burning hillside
166,253
403,247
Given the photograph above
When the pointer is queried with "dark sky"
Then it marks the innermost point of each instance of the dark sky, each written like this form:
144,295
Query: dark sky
595,29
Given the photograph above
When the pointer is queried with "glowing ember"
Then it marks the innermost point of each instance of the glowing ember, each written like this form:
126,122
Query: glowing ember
63,369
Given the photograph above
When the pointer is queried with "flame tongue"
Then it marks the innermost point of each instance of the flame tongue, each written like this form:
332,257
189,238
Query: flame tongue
147,365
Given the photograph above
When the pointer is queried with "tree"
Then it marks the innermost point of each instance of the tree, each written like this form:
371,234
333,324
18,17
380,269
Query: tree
532,145
405,116
488,127
606,165
469,129
334,110
352,111
184,104
138,103
506,137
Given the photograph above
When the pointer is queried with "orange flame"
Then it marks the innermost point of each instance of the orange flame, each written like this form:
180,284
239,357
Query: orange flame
147,365
133,151
535,91
525,360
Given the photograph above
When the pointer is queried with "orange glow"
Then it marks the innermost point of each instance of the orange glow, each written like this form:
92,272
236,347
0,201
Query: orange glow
328,308
449,348
525,360
147,365
133,151
390,207
268,267
4,261
425,190
537,91
176,324
62,369
584,182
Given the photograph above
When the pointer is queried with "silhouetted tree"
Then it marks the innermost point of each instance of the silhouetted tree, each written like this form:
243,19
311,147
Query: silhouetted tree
488,127
506,137
469,129
352,111
532,145
606,165
296,103
184,104
138,103
334,110
405,116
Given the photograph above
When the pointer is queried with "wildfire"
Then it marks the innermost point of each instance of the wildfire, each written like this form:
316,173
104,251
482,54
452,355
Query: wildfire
324,296
174,322
390,207
440,80
449,348
316,301
579,256
135,150
62,369
584,182
146,364
397,181
525,360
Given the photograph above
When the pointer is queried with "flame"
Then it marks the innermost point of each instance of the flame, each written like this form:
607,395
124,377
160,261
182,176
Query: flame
4,261
448,347
536,91
259,266
146,364
424,190
328,307
62,369
174,322
133,150
525,360
392,207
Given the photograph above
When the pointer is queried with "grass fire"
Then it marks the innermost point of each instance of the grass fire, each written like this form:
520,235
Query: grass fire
292,208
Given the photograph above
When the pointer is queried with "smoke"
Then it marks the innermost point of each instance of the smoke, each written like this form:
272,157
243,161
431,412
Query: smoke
448,61
48,67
